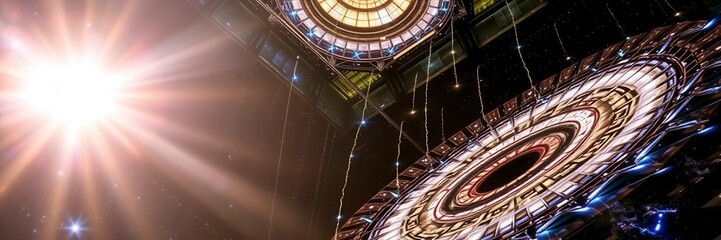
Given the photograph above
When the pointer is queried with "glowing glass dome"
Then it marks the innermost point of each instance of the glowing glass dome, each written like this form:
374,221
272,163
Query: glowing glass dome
364,13
373,31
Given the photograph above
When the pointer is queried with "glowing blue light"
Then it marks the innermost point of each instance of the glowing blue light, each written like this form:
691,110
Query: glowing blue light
295,77
443,9
710,90
331,48
627,38
596,200
338,217
594,69
663,170
356,55
658,227
398,163
583,210
76,227
293,13
395,195
363,122
391,50
709,24
663,48
660,215
639,167
620,53
365,219
706,130
351,155
519,46
644,160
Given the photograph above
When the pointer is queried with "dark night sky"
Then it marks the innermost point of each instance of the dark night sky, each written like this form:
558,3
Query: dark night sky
200,161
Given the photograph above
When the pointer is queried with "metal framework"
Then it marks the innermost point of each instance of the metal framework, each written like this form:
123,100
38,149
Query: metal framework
356,34
542,164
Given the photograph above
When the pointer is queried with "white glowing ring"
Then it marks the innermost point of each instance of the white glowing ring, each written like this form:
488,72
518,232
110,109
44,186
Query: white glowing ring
652,80
584,119
545,147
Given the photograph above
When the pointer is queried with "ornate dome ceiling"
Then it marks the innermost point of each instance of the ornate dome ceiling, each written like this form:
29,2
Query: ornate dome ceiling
366,31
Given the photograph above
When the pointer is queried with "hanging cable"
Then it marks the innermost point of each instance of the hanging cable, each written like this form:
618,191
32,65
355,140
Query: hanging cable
662,8
294,31
453,55
675,13
317,181
616,21
413,99
350,157
443,123
480,99
568,57
425,106
282,142
518,47
398,156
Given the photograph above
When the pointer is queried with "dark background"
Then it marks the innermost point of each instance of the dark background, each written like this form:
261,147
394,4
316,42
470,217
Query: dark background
217,104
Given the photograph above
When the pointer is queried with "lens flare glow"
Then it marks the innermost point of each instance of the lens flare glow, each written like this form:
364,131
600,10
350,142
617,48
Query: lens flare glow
75,94
97,73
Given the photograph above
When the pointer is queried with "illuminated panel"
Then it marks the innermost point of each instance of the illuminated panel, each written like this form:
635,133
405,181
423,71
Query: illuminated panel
360,79
480,5
553,155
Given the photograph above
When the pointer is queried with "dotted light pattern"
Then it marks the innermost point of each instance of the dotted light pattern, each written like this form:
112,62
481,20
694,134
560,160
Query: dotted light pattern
589,123
366,30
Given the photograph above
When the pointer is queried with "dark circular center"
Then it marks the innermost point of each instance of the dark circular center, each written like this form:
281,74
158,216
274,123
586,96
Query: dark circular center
511,170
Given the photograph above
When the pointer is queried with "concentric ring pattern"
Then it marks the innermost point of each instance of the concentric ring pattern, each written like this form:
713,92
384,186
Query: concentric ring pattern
365,30
541,156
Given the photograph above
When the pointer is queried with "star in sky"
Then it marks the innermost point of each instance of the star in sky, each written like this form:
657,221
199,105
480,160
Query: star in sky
76,228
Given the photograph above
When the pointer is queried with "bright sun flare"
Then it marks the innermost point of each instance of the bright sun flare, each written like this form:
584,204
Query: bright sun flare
75,94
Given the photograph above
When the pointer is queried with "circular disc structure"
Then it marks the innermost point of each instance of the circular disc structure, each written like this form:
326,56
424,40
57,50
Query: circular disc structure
564,150
365,31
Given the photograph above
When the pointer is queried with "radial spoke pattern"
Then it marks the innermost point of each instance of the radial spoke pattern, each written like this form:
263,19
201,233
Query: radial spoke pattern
539,155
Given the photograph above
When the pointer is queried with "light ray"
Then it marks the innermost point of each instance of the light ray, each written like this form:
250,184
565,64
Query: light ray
87,34
31,148
202,180
59,194
93,200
